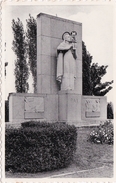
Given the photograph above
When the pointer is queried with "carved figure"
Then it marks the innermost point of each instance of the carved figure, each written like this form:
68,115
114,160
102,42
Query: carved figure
66,65
92,105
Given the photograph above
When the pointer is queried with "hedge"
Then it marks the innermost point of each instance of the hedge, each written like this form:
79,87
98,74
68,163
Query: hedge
41,147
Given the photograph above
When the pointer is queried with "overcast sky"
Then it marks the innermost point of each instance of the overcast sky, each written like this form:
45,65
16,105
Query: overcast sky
98,31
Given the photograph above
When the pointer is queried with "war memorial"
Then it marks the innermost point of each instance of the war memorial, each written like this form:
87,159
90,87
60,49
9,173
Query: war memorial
59,79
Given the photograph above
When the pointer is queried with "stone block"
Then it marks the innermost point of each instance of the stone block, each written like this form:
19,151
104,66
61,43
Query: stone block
94,107
45,45
16,108
46,85
69,107
39,64
46,26
51,107
34,104
79,50
39,27
46,65
103,108
54,84
72,107
62,107
58,28
33,107
78,85
33,115
54,44
92,114
78,29
39,45
79,68
53,66
49,37
69,26
39,83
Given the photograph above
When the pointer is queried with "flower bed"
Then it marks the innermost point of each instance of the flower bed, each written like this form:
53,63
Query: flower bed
103,134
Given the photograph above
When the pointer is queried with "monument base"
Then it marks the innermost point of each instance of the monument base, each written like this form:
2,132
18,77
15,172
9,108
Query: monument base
66,106
69,107
33,107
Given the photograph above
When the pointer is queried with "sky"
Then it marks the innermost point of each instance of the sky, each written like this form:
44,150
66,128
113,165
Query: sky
97,33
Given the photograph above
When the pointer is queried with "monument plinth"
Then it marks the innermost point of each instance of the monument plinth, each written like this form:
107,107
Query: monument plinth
59,79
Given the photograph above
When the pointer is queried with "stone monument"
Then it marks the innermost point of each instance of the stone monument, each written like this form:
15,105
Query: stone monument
59,79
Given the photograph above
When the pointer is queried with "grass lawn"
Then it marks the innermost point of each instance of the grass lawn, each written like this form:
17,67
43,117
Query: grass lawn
87,156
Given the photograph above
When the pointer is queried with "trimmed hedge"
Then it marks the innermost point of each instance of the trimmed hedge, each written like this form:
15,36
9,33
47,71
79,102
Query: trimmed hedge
40,147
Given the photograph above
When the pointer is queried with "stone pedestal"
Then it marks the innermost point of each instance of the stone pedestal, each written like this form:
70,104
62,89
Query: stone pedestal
34,107
69,108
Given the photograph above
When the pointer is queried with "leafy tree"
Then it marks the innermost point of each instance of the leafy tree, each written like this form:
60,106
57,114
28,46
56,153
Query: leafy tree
21,67
92,76
32,48
86,70
97,72
110,114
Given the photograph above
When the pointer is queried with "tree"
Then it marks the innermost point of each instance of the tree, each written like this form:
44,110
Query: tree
110,114
32,48
92,76
86,70
21,67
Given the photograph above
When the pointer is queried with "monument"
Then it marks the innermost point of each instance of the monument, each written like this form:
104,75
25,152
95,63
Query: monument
59,79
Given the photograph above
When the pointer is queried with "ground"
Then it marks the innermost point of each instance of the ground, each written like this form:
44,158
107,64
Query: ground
90,160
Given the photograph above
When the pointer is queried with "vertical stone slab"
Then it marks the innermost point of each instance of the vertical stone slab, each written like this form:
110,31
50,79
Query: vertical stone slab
16,108
69,107
49,36
94,108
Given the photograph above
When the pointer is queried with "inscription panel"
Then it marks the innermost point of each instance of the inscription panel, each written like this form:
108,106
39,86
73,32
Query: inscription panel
92,108
34,104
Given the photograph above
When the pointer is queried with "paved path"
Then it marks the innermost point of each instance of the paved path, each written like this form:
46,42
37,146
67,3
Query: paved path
101,172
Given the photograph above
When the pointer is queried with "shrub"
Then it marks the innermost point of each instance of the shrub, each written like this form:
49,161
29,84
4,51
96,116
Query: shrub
6,111
110,114
40,148
103,134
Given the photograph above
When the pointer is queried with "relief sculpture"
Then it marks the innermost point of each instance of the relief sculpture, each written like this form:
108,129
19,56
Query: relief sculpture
66,61
92,107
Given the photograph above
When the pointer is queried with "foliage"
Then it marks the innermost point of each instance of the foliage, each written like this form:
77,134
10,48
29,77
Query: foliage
92,76
103,134
32,48
110,114
86,70
21,67
6,111
40,148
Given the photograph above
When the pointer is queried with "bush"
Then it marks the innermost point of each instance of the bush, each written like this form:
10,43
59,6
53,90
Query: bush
6,111
103,134
40,148
110,114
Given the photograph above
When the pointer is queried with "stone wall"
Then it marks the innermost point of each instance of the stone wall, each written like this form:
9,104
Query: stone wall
26,107
63,107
